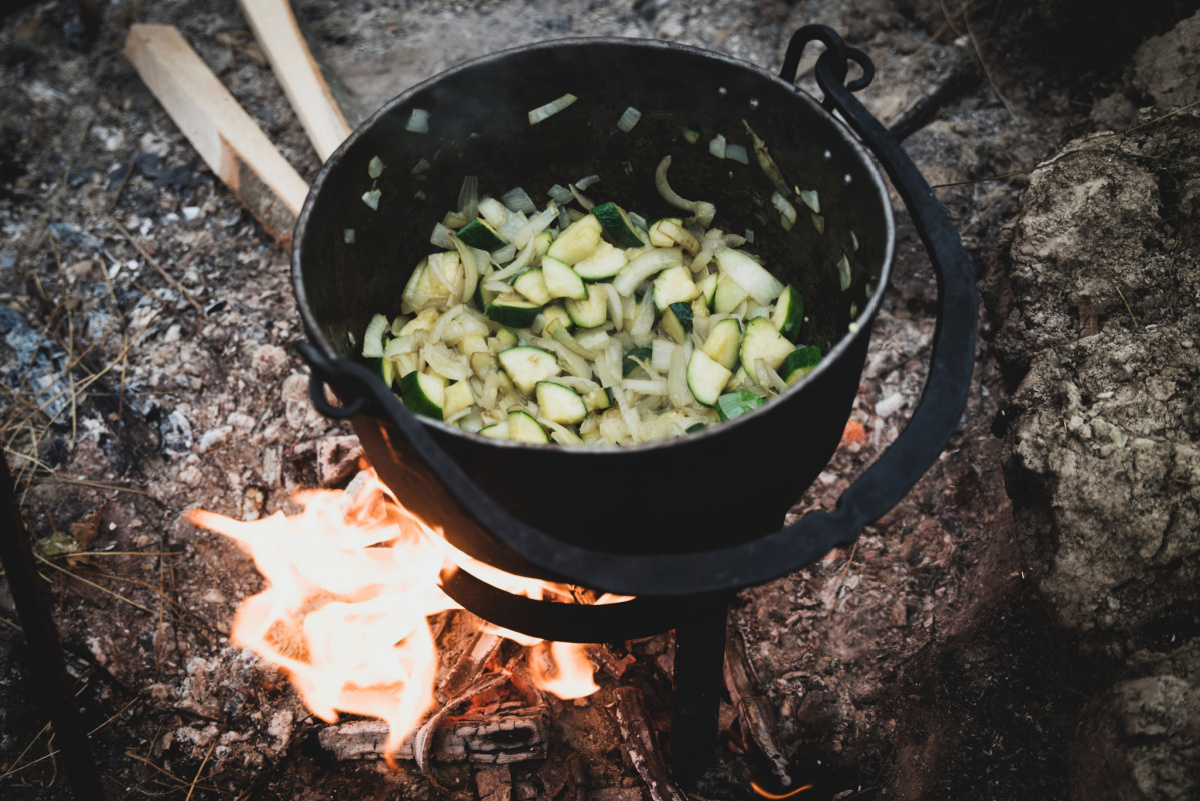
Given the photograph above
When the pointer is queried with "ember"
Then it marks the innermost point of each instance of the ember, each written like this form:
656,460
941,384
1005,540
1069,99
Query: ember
352,581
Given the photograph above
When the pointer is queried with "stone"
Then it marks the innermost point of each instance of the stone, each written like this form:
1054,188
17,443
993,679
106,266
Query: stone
1167,67
176,434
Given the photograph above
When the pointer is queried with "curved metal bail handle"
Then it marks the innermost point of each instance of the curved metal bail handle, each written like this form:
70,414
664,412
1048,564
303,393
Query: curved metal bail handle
952,361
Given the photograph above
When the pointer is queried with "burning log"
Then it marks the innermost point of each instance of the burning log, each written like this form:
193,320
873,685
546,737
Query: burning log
469,666
509,735
758,722
642,747
494,784
603,658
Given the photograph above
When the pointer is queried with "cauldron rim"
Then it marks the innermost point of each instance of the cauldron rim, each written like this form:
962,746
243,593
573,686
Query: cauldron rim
860,327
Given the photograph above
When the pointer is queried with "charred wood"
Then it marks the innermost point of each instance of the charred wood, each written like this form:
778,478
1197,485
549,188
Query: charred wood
643,747
754,710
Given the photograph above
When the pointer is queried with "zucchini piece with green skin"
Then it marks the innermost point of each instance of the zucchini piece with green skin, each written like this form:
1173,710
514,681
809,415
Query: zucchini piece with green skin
733,405
708,288
588,313
424,394
507,336
799,363
532,284
557,312
541,243
789,313
657,237
694,427
527,365
762,340
706,378
628,365
577,241
728,295
598,399
561,280
484,297
677,321
458,396
616,223
513,311
560,404
724,341
522,427
674,285
479,233
604,263
497,431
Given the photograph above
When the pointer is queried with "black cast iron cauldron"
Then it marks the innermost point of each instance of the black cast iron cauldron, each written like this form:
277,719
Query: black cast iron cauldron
681,517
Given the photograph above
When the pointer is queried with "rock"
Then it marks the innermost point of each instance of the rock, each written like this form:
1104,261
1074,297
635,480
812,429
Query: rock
337,459
1114,113
213,439
1102,454
1140,740
1167,67
73,237
176,434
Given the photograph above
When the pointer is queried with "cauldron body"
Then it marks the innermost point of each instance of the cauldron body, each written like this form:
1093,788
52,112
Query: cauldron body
731,483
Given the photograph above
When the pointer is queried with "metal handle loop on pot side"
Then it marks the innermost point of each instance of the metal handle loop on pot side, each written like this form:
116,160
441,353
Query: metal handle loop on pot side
872,495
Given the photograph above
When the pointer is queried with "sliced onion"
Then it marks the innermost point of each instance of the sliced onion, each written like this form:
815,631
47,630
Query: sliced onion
493,211
703,212
736,153
550,109
442,361
644,320
580,385
677,386
421,166
629,119
502,255
649,263
843,267
576,365
438,332
819,223
561,435
468,197
716,146
399,345
750,235
810,198
615,308
701,261
629,414
595,339
536,224
511,226
787,212
373,337
560,194
418,121
559,333
769,168
517,200
646,386
663,350
604,371
372,199
470,269
375,167
442,237
680,236
491,387
586,181
583,201
454,220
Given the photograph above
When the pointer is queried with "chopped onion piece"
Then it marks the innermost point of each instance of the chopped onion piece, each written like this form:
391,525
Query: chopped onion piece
348,236
787,212
468,198
583,201
442,237
560,434
716,146
662,350
677,386
644,321
372,199
649,263
843,267
750,235
615,307
399,345
769,168
629,119
560,193
454,220
736,153
442,361
702,259
818,223
646,386
586,181
575,364
418,122
421,166
373,337
375,167
702,211
493,211
559,333
854,240
470,270
550,109
504,254
536,224
517,200
810,198
512,226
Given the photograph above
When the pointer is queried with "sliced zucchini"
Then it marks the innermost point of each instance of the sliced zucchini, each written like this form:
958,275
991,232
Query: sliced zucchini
694,427
561,280
513,311
589,313
458,397
706,378
724,340
479,233
674,285
522,427
507,336
628,365
387,369
541,243
617,224
577,242
532,284
423,393
560,404
484,297
708,288
658,238
789,313
749,274
677,321
598,399
733,405
762,340
557,312
498,431
727,295
799,363
527,365
605,262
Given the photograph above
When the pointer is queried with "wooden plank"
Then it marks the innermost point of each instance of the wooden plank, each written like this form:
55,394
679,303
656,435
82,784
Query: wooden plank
279,36
226,138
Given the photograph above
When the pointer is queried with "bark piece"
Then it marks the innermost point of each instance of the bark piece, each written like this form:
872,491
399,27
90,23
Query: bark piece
754,710
643,747
470,665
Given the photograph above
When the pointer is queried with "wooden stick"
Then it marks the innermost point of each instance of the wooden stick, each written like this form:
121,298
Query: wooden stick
642,746
511,735
227,139
275,28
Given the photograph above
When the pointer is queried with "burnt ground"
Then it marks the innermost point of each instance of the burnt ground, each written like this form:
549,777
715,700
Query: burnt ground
919,665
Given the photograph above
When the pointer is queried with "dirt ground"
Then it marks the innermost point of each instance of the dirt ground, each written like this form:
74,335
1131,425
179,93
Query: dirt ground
920,664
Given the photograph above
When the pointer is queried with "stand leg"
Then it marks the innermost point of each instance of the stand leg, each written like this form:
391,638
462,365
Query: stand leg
699,660
49,675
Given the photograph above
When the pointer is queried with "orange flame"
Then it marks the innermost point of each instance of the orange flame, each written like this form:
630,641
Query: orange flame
350,583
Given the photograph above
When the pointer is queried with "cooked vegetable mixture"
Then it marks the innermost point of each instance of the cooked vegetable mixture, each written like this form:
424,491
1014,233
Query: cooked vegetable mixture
588,326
